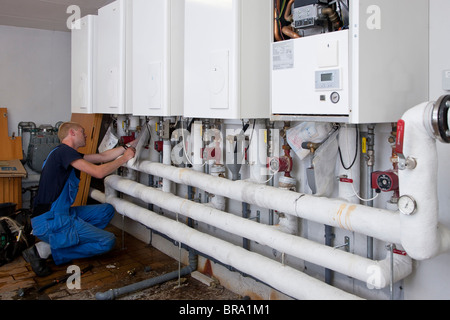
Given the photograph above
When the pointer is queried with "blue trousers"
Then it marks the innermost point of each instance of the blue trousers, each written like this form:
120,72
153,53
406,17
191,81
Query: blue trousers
77,235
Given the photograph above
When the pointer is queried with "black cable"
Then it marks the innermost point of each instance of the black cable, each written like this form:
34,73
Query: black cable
356,151
251,137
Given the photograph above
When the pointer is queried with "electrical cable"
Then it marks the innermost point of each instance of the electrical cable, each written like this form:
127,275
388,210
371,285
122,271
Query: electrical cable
282,8
277,18
356,152
351,167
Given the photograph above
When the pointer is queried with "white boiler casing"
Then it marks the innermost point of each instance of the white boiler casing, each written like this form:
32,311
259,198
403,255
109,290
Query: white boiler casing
371,73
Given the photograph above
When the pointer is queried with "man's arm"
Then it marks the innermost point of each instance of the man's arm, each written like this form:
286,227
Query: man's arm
108,155
102,170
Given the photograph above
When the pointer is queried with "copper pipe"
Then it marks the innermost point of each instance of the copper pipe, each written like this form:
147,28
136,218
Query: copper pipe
333,16
287,12
276,30
290,32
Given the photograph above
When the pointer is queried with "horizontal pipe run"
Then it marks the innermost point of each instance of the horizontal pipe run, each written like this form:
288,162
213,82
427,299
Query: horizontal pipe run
344,262
283,278
377,223
97,195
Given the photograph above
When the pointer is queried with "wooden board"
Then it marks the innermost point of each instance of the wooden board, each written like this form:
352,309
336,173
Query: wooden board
92,126
12,168
11,191
10,147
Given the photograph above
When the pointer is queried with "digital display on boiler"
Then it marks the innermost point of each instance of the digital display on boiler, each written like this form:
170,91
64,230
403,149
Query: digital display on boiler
326,77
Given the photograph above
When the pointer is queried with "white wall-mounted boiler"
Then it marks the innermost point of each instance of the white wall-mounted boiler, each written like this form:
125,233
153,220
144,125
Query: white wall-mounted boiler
83,42
157,32
111,59
227,54
371,71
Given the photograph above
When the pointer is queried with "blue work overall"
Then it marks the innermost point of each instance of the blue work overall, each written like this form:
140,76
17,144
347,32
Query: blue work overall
74,232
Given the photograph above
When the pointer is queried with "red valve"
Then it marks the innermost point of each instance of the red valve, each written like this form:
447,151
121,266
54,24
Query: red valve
400,252
400,137
159,146
344,179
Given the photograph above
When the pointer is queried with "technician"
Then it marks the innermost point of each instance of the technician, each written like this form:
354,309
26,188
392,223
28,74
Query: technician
67,232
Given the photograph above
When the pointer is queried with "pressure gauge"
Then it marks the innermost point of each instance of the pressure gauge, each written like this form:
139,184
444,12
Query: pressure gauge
335,97
407,205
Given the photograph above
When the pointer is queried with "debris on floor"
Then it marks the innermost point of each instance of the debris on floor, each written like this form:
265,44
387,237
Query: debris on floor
115,269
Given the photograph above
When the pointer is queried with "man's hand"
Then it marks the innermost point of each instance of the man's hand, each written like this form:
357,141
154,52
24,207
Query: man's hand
129,153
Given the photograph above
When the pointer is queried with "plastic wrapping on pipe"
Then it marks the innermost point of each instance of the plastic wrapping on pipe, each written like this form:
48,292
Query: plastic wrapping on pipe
324,163
283,278
377,223
346,263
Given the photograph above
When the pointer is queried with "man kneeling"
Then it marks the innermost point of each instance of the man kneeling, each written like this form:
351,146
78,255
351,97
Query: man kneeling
67,232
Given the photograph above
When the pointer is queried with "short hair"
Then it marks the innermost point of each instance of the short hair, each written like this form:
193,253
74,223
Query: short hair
64,129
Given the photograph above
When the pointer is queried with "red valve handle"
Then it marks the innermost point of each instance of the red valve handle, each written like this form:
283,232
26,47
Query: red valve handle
400,136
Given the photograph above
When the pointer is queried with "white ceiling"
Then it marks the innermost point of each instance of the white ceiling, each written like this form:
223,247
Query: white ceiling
45,14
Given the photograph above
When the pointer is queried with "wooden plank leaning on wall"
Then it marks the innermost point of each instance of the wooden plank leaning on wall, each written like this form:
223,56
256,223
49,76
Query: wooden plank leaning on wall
92,126
10,147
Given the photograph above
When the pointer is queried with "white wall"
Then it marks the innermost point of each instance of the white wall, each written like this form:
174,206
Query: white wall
34,75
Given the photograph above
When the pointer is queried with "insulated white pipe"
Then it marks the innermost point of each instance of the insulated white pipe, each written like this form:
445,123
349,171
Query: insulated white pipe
378,223
374,273
423,236
216,201
420,234
283,278
197,146
97,195
287,223
167,185
257,153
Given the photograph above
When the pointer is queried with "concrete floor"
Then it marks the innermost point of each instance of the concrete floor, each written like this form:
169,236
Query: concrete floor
129,262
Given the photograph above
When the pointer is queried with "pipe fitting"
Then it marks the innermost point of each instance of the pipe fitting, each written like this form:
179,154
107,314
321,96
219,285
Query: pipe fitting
423,237
440,119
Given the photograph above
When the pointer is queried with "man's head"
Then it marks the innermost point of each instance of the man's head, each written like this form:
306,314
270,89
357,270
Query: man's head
73,134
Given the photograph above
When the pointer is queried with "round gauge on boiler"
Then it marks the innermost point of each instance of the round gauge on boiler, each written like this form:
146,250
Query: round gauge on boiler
335,97
407,205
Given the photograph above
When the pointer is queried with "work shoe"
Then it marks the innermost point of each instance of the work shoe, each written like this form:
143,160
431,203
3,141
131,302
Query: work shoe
38,264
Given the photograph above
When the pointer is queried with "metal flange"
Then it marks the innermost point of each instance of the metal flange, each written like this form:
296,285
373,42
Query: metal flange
440,119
